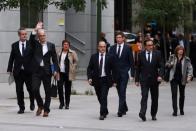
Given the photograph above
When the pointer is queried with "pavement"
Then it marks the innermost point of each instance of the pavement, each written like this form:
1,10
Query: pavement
83,114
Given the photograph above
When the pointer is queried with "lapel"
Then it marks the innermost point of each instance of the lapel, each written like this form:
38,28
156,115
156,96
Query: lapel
106,61
18,48
123,50
27,48
97,60
153,57
49,48
144,56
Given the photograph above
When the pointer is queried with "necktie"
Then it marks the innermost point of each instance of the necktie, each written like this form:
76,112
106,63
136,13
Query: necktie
23,49
148,57
100,65
118,53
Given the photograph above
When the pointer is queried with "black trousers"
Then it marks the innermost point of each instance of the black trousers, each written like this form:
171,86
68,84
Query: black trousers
20,79
66,83
121,89
174,90
37,78
102,94
154,91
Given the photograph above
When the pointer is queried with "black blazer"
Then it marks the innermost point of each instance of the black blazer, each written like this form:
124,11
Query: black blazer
17,60
38,56
125,62
148,72
93,69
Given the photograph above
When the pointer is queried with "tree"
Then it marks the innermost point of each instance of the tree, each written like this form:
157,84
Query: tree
169,14
78,5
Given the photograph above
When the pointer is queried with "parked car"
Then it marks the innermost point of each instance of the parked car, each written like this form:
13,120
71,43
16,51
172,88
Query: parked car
130,37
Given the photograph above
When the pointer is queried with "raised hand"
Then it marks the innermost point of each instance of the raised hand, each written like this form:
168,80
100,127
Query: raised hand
39,25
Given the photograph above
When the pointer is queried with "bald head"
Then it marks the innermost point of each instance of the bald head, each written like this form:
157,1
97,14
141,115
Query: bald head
41,36
102,47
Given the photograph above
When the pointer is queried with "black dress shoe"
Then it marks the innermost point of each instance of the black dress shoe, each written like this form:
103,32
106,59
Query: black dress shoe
154,118
174,114
124,113
119,114
181,112
101,117
142,116
20,111
105,115
32,107
67,107
60,106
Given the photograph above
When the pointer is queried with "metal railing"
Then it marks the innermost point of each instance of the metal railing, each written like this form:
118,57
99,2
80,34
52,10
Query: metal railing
77,43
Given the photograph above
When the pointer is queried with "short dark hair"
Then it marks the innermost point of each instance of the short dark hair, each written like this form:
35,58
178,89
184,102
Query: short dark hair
65,41
147,40
20,29
120,33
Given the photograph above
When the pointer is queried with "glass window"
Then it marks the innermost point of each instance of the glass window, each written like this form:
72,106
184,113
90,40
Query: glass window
29,14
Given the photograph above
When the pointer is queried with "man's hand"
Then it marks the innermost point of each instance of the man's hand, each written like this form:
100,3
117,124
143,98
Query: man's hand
90,81
189,79
159,79
56,75
137,83
39,26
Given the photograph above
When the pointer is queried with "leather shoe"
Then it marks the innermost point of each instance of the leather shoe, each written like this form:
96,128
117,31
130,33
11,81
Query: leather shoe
119,114
142,116
60,106
20,111
32,107
45,114
39,111
101,117
181,112
154,118
174,114
67,107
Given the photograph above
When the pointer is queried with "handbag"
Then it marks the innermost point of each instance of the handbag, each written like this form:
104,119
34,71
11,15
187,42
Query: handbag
166,74
54,88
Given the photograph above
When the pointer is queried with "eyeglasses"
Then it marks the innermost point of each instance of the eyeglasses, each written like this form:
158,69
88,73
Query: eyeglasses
149,45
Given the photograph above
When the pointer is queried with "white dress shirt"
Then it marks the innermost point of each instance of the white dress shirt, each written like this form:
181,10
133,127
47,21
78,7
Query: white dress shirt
103,69
44,50
62,64
121,48
150,55
20,48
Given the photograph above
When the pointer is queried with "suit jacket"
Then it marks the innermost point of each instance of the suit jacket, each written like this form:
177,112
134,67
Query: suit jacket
125,62
148,72
49,58
17,60
93,69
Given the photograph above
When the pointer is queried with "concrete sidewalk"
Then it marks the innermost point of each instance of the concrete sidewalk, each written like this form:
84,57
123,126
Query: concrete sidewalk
84,112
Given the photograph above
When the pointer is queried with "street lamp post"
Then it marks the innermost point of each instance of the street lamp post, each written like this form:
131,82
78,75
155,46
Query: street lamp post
99,14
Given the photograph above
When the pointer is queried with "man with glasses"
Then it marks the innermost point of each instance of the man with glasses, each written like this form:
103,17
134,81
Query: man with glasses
44,53
100,75
149,74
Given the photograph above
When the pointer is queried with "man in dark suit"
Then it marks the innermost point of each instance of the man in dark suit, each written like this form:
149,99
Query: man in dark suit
20,58
44,52
123,61
149,74
99,73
